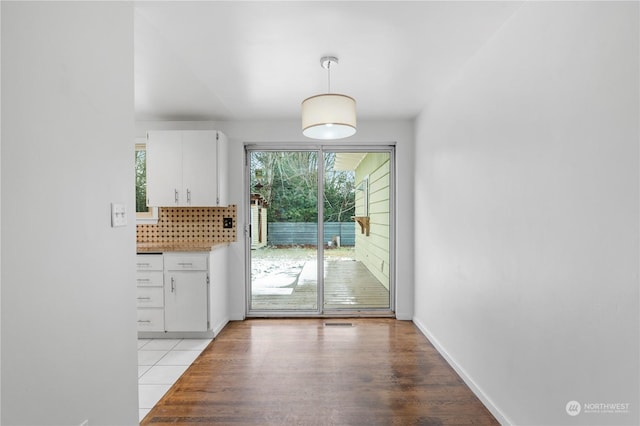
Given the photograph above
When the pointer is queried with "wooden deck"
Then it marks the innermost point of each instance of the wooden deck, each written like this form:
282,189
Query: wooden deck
378,371
348,285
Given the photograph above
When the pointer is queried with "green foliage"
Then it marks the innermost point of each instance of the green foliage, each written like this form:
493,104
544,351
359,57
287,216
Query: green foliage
288,181
141,181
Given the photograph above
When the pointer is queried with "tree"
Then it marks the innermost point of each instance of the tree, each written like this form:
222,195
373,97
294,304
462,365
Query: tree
141,181
288,181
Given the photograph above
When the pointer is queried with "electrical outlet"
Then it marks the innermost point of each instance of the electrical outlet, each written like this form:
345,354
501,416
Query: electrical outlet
118,215
227,223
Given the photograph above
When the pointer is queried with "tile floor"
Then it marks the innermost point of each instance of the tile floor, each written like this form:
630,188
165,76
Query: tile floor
160,363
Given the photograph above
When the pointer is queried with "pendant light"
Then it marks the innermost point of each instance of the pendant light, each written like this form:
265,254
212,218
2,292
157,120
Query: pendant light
329,116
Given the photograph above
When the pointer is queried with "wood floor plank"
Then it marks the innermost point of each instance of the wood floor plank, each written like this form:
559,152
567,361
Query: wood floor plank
379,371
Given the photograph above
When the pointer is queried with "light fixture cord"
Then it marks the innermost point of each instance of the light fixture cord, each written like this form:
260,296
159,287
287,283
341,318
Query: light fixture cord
329,76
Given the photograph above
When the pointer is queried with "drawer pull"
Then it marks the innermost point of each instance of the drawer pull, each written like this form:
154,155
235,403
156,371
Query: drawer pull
185,263
144,280
144,298
144,321
143,264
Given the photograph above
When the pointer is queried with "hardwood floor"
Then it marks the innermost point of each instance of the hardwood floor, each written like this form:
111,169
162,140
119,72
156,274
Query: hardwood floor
306,372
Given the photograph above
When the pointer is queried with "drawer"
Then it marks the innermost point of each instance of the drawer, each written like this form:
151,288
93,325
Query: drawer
186,262
151,319
150,297
149,278
149,262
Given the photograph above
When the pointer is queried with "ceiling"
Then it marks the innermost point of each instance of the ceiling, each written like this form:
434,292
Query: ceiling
240,60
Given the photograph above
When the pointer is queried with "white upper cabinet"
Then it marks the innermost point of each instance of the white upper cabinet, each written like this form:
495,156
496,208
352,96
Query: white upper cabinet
186,168
164,168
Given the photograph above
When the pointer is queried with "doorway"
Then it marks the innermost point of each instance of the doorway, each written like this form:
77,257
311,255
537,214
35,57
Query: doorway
321,233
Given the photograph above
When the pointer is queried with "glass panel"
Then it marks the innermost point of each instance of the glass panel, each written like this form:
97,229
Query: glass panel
144,214
356,230
284,230
141,179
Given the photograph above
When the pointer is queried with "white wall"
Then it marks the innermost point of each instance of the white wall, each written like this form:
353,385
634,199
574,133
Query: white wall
218,288
0,217
282,132
68,302
527,267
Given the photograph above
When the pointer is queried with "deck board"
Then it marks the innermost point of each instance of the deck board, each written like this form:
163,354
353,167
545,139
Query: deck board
348,285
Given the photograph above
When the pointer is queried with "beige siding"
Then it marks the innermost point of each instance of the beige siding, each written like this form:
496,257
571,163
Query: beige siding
373,250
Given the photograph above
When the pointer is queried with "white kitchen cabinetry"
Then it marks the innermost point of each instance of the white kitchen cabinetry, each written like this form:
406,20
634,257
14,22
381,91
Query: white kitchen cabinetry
186,292
218,269
150,283
186,168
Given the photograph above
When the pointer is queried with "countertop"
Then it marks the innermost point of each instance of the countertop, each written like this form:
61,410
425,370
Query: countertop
182,246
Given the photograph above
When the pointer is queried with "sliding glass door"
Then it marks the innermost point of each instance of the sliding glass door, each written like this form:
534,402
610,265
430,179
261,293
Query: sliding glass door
357,229
316,255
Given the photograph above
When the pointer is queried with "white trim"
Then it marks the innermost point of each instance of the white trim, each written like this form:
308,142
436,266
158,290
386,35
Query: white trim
401,316
477,390
217,328
321,148
147,220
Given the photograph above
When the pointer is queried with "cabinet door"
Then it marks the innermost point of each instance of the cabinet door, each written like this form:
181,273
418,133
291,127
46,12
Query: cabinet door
149,262
151,319
149,278
199,170
164,169
150,297
185,301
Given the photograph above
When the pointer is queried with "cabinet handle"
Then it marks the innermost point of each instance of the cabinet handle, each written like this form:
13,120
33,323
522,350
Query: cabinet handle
144,298
173,285
185,263
175,192
145,321
142,264
143,280
188,196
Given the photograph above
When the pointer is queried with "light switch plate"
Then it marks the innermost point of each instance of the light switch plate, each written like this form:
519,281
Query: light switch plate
118,215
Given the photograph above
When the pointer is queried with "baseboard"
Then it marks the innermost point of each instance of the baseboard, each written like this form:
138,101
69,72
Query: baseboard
463,375
217,328
404,316
236,316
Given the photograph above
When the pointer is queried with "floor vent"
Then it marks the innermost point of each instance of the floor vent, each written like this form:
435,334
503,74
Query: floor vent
338,324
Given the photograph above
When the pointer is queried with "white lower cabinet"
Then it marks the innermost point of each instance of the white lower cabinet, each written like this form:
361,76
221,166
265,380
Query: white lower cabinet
150,286
150,297
186,291
151,319
173,292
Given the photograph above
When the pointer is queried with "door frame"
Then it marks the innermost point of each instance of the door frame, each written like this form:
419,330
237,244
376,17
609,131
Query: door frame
320,149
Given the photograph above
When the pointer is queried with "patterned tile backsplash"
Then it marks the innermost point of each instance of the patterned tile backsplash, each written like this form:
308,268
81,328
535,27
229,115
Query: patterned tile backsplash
189,224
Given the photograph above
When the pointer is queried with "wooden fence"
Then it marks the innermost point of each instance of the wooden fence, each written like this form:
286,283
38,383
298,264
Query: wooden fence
305,233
